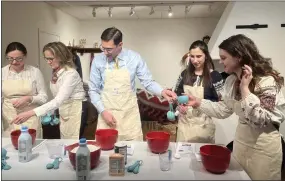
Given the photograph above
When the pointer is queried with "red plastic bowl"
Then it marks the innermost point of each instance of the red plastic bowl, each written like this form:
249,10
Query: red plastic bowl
94,156
158,141
106,138
216,159
16,133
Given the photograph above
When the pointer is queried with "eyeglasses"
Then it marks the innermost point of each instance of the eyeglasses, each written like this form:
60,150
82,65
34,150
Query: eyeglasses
18,59
107,49
49,59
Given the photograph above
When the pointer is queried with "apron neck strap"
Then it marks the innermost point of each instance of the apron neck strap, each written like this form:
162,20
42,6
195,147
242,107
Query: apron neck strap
198,82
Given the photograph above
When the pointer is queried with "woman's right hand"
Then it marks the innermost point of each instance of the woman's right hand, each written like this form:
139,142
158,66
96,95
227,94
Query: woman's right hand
193,101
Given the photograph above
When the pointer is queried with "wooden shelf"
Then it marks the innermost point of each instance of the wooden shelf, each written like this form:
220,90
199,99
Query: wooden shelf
85,50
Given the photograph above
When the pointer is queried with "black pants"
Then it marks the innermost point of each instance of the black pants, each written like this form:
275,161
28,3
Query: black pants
84,117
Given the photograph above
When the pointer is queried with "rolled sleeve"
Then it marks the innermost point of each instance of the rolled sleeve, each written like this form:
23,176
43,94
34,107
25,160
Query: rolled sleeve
95,87
145,77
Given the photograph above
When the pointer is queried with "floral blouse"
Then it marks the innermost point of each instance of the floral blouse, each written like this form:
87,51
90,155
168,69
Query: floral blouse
266,105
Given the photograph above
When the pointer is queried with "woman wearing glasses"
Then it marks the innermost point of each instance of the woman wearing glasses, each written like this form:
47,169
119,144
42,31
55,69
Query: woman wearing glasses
67,89
23,89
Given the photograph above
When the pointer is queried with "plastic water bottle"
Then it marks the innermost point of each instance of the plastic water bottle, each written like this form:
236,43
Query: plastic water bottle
83,161
25,145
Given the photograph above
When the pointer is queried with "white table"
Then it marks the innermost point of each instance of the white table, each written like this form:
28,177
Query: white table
185,168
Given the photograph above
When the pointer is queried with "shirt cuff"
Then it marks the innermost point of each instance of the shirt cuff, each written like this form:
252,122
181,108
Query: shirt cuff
249,101
100,107
39,111
159,92
34,100
202,105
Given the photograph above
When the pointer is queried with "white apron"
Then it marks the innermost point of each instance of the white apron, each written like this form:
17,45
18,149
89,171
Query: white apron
259,151
12,90
70,117
194,126
119,99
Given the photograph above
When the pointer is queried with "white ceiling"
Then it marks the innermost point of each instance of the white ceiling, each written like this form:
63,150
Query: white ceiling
82,10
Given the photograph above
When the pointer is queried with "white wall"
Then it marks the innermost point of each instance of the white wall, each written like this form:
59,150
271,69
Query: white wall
270,41
21,20
161,42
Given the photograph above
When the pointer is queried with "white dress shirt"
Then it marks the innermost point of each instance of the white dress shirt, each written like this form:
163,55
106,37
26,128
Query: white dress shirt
39,94
69,86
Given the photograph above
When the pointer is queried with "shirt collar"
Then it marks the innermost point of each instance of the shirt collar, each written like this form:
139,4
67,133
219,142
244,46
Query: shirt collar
24,69
121,56
60,72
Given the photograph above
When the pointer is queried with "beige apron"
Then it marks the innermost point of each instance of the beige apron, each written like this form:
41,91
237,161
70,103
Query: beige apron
195,126
12,90
259,151
119,99
70,117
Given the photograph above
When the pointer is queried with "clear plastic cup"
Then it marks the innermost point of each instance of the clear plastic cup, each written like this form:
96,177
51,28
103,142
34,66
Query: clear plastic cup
165,161
55,149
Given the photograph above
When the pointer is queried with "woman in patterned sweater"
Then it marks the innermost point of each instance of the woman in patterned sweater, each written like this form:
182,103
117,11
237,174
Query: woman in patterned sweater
199,79
253,92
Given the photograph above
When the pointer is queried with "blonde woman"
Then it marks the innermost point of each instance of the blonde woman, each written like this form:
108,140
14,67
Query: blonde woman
67,89
23,89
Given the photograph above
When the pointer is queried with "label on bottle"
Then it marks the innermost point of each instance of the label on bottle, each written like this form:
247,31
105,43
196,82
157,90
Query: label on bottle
82,167
121,148
116,165
25,150
22,150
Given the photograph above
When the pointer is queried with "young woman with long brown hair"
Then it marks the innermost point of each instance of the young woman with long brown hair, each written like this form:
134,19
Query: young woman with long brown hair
253,92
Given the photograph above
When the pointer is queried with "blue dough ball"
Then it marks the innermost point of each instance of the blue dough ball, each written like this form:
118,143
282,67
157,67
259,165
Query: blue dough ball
4,153
55,121
46,120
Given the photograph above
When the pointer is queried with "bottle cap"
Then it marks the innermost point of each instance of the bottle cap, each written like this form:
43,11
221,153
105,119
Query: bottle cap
24,128
82,140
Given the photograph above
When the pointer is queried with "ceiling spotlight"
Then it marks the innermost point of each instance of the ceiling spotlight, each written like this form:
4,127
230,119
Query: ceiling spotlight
132,12
151,11
170,13
110,12
94,12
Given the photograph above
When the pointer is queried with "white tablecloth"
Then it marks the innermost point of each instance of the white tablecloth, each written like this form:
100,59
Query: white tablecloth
185,168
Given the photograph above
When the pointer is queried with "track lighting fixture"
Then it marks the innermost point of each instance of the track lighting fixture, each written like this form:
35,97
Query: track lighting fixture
170,13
